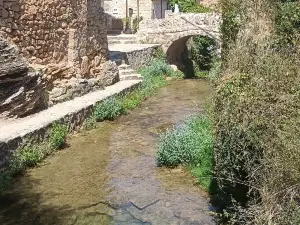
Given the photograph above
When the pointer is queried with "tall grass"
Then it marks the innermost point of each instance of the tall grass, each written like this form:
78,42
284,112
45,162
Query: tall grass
189,144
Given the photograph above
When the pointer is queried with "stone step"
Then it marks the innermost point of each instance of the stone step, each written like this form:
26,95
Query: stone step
114,32
129,42
127,72
131,77
118,61
122,37
124,67
114,42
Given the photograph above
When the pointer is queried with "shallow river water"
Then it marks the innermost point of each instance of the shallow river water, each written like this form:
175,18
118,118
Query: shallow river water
109,175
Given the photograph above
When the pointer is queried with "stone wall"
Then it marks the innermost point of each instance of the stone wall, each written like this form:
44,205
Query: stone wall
55,31
116,10
140,57
65,39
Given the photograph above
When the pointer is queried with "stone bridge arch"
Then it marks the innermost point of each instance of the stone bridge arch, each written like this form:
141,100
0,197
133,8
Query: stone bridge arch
174,31
176,44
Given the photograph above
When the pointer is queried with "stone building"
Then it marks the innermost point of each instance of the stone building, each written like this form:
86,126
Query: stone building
65,40
148,9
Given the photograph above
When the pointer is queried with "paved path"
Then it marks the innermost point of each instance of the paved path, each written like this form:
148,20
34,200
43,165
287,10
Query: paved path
130,47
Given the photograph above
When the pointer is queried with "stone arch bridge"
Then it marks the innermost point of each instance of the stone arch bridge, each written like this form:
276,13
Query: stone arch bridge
174,31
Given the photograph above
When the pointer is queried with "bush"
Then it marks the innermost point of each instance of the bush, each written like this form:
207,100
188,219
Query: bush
288,23
109,109
58,135
160,55
189,144
256,122
215,72
203,52
135,23
190,6
90,123
157,67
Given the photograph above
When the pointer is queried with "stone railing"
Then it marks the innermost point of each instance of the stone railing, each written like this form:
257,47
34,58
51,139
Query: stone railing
180,25
180,22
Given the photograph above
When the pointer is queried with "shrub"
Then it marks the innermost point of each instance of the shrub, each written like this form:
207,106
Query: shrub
58,135
256,122
215,72
189,144
135,23
90,123
157,68
203,52
288,23
109,109
190,6
159,54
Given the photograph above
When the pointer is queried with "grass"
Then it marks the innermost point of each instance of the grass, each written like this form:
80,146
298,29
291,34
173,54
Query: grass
189,144
31,155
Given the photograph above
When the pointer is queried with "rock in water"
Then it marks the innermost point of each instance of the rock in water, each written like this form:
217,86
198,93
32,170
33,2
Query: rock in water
21,90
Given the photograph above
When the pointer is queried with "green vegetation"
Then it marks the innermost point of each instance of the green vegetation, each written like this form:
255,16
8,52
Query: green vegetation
203,53
31,155
190,6
154,77
58,135
90,123
160,55
189,144
288,23
135,23
256,113
109,109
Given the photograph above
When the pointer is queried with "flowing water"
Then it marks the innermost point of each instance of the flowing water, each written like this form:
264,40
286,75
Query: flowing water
109,175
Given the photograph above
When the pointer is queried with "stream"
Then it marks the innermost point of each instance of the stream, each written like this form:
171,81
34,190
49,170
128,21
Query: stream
109,175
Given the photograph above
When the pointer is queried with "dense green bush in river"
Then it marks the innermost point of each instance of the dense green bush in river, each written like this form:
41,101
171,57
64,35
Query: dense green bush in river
189,144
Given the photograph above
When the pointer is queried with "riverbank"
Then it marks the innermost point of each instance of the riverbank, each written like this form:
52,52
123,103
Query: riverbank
47,135
109,174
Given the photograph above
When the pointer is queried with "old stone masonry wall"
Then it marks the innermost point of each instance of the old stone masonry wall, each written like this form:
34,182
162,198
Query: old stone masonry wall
65,40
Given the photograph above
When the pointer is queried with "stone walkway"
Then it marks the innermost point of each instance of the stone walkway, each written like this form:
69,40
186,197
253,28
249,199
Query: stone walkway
72,111
130,47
